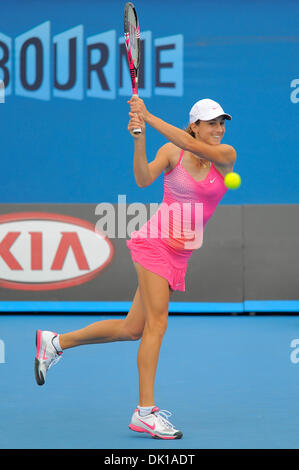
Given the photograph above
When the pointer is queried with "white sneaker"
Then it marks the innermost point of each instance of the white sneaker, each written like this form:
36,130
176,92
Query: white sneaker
46,354
156,424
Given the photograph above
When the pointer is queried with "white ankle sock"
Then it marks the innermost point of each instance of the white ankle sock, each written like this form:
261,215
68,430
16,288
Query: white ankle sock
55,342
145,410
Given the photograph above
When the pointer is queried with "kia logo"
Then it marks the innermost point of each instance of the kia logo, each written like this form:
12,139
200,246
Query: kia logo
43,251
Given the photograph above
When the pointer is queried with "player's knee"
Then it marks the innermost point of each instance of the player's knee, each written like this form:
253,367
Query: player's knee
132,334
135,336
157,324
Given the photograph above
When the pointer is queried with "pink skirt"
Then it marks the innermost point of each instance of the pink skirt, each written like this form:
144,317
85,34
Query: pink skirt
161,259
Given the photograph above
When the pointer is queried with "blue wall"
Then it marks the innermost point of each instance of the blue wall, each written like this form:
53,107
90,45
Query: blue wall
66,146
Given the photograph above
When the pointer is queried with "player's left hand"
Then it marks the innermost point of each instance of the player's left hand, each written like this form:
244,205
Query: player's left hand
136,122
137,106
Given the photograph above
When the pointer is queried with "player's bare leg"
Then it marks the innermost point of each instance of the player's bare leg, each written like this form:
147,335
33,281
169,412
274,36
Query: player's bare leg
107,331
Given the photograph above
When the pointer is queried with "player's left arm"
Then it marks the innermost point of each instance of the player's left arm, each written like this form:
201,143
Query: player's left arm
222,154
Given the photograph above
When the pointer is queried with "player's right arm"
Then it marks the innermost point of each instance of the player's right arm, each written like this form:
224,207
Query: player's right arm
146,173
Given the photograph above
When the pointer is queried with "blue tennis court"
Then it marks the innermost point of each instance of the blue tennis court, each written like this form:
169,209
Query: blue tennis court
229,381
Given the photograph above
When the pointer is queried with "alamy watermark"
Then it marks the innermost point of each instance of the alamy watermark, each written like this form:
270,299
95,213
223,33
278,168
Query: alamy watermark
2,352
2,92
294,356
294,96
180,225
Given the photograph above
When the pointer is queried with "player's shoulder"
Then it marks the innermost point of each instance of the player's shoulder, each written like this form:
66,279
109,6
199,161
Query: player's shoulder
172,152
168,148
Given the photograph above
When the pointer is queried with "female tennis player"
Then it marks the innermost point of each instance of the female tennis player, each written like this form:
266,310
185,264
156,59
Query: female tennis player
194,164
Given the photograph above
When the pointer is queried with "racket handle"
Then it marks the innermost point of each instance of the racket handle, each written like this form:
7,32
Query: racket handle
138,130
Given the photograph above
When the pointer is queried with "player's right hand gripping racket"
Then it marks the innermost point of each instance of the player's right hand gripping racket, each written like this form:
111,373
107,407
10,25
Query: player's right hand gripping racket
132,40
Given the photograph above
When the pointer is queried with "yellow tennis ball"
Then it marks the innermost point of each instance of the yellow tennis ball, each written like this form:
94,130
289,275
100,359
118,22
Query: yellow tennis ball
232,180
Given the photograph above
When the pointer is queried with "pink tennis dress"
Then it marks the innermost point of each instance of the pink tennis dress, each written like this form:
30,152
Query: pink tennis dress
164,244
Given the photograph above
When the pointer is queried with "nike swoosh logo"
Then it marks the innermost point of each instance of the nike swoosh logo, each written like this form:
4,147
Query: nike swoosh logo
212,181
148,425
44,355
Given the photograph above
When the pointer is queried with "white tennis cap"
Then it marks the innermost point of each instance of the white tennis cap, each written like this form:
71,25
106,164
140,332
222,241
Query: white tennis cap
205,110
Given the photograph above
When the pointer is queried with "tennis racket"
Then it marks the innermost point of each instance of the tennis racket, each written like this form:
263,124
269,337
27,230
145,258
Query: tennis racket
132,41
